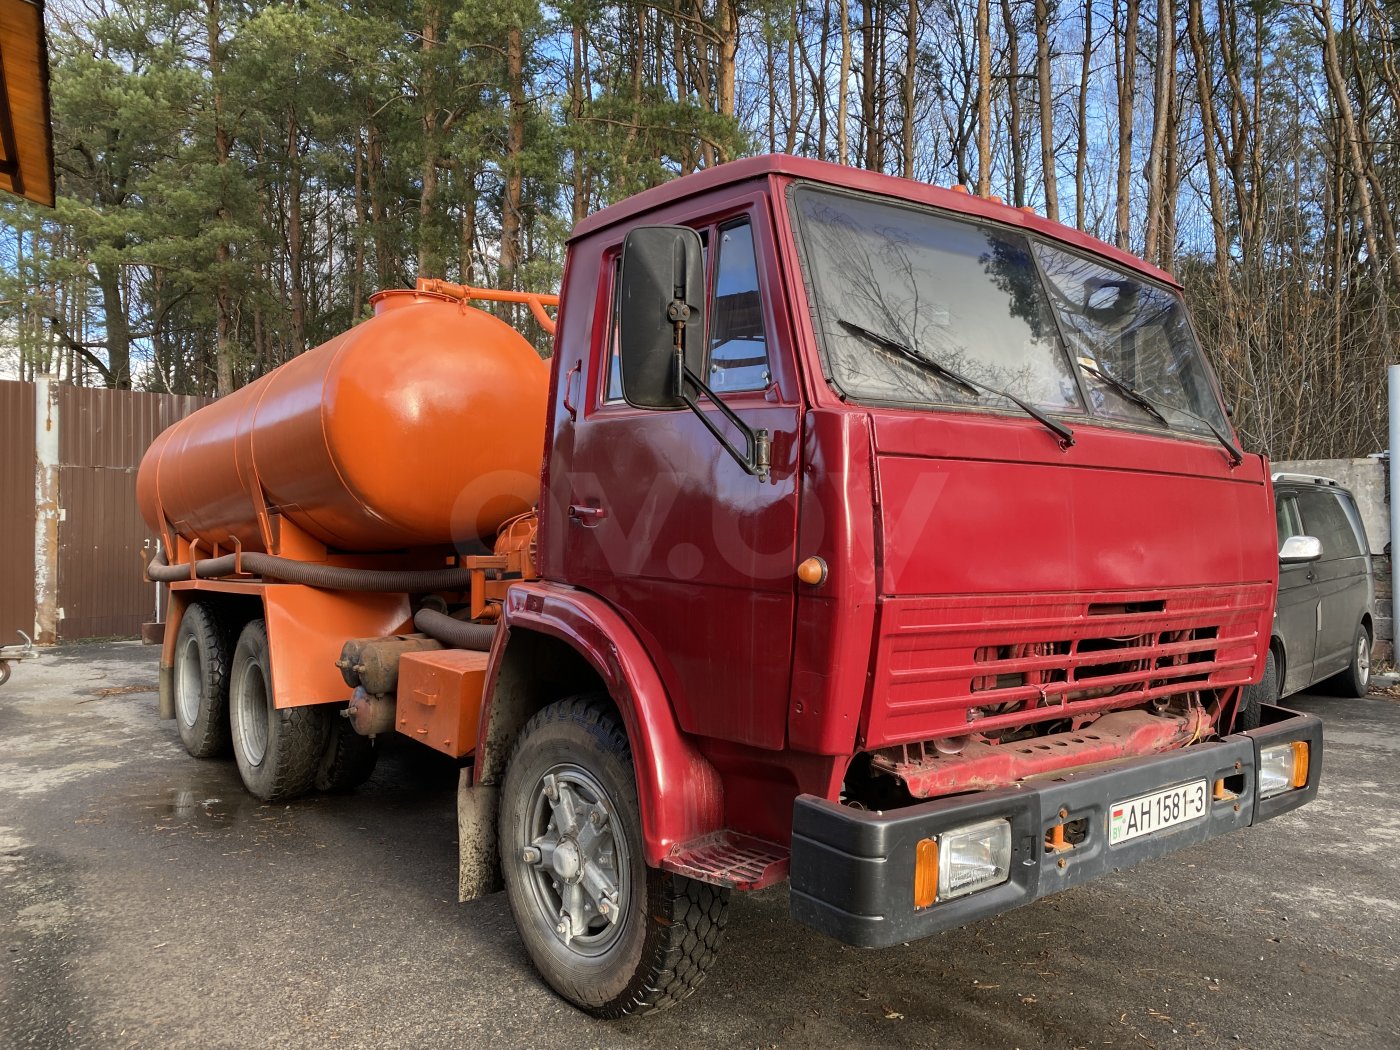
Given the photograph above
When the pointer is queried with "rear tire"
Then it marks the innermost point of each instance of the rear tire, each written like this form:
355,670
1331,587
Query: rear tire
277,751
201,675
1356,679
1251,696
348,759
573,860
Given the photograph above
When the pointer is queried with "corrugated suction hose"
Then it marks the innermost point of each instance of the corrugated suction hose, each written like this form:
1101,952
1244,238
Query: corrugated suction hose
327,577
450,631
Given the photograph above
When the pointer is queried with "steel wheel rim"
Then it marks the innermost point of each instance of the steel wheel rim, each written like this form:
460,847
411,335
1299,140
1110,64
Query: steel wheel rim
188,682
1363,659
575,871
251,712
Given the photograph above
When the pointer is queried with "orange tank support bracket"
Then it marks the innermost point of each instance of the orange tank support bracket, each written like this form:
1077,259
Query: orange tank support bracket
512,562
492,576
536,301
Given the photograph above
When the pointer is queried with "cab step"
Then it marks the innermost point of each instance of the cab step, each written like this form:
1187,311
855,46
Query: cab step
730,859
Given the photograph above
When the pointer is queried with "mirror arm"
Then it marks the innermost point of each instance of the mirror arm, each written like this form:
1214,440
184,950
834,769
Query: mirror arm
756,458
679,313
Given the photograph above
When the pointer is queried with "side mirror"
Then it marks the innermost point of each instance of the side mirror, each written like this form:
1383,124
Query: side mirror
660,314
1300,548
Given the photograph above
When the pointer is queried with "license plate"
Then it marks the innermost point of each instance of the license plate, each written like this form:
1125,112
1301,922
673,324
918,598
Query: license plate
1146,814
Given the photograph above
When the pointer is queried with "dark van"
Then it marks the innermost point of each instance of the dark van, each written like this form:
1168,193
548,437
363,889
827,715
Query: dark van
1322,623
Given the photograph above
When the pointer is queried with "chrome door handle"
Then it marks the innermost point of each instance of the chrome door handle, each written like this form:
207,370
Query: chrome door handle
586,515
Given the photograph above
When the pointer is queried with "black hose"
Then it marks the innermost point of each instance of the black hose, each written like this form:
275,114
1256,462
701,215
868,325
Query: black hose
454,632
326,577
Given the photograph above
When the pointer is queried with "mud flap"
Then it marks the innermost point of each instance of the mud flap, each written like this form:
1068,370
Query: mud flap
478,863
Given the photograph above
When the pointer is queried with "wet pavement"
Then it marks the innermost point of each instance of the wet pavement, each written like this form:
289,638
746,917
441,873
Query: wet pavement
146,901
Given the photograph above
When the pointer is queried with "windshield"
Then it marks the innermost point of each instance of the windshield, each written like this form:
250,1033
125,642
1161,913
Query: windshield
984,302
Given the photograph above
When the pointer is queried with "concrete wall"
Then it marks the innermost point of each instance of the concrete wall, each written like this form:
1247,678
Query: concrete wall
1367,480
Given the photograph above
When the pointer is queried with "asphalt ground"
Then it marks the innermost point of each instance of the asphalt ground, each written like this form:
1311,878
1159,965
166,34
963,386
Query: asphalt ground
147,901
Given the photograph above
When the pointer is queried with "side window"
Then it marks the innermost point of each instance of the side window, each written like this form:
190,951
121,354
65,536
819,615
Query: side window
1324,518
613,390
738,345
1289,521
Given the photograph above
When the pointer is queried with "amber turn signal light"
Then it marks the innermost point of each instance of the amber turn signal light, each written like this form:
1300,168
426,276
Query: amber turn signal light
1300,763
925,873
812,571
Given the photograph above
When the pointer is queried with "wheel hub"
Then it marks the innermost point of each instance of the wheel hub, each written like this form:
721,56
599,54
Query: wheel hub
567,863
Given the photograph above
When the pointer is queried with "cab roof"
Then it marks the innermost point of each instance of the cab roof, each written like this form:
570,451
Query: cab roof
790,168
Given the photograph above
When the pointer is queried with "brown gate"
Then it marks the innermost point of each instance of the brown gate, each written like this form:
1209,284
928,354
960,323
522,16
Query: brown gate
93,552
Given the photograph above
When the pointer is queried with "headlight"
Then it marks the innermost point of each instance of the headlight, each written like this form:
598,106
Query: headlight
962,861
1283,767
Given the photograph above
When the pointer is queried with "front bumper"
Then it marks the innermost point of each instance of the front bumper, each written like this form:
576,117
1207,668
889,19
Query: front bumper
853,871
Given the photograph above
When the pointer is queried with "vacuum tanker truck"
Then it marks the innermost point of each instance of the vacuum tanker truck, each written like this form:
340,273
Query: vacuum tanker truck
869,535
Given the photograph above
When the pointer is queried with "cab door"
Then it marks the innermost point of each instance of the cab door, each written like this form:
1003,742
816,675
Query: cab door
697,554
1295,615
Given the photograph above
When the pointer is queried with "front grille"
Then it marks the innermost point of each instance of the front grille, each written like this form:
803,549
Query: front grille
955,665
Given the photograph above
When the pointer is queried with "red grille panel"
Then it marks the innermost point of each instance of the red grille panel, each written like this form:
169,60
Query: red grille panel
950,665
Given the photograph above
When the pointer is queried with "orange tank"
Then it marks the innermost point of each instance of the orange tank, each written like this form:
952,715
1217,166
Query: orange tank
421,427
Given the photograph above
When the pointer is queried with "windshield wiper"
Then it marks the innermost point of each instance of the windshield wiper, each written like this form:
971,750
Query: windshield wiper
971,386
906,351
1155,408
1127,393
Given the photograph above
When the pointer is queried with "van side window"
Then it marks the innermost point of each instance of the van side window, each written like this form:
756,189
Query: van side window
1324,518
738,344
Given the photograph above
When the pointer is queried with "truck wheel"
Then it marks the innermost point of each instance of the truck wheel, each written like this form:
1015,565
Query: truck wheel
1356,679
348,758
277,751
201,682
606,932
1251,696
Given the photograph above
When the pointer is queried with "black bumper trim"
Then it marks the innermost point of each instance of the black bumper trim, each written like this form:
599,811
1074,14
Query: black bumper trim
853,871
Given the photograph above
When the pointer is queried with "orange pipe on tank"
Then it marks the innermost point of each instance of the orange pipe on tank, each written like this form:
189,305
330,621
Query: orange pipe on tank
422,427
537,301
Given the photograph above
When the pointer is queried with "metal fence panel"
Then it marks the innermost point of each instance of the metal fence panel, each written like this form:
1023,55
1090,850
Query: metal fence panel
16,510
102,436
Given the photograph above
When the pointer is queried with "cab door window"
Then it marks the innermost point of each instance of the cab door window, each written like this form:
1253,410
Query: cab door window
738,357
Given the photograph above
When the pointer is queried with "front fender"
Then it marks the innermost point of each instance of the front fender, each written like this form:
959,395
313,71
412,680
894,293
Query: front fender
678,791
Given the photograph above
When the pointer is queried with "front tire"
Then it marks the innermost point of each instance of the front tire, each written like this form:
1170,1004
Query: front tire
605,931
1251,696
201,674
277,751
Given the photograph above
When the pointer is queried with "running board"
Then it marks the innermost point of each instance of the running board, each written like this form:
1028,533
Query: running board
730,859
